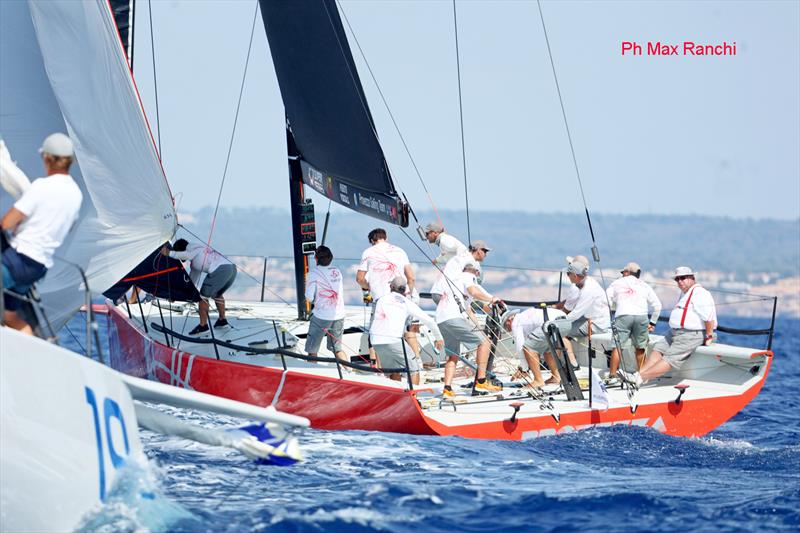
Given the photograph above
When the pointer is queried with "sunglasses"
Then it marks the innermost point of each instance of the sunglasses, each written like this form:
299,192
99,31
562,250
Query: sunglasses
485,250
681,278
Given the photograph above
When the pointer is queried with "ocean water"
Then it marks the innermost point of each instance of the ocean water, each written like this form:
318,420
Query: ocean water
744,476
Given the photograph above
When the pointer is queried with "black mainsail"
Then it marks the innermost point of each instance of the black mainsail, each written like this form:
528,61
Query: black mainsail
326,110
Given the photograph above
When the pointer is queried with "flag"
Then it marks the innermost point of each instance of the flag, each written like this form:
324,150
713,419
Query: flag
599,392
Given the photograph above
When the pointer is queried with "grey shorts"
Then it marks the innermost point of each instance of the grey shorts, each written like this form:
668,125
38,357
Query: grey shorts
458,331
678,344
537,341
633,327
219,281
391,356
330,329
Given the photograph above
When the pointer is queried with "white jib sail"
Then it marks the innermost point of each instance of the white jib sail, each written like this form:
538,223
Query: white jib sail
128,210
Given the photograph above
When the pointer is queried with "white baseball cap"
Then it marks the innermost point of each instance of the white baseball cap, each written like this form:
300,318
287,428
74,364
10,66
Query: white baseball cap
57,144
577,265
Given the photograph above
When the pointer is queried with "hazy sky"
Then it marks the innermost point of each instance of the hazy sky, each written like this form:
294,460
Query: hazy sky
666,135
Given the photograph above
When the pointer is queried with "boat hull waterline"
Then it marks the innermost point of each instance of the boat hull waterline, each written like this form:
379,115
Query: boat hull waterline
341,404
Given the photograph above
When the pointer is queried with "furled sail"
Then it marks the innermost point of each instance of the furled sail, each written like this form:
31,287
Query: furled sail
326,109
63,69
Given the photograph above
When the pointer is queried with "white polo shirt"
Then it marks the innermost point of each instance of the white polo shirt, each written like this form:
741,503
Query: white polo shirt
51,205
701,309
591,304
382,262
326,289
454,294
452,270
391,313
526,322
633,296
201,259
449,247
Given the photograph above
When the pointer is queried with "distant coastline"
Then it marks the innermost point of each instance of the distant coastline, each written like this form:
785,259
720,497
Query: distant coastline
733,256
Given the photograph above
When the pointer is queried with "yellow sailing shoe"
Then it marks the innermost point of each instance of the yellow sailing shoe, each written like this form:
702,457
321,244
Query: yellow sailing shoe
487,386
448,393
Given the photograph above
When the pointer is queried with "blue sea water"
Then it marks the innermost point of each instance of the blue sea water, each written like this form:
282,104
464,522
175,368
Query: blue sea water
743,476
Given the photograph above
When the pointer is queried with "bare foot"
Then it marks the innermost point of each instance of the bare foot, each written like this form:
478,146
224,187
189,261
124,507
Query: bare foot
552,381
536,384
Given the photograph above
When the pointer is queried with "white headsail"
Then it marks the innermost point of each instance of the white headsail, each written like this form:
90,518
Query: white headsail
64,69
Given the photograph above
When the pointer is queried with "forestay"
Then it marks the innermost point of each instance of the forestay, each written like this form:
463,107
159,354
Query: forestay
64,69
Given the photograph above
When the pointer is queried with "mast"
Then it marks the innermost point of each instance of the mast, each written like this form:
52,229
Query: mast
296,199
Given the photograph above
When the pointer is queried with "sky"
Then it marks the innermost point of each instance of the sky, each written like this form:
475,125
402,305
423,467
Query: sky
652,134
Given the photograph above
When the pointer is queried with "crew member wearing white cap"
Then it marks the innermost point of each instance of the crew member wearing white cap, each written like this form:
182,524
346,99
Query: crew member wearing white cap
455,266
386,332
39,221
691,323
585,302
529,341
453,306
632,298
449,246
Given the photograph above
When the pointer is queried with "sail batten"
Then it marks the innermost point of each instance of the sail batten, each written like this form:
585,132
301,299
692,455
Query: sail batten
326,108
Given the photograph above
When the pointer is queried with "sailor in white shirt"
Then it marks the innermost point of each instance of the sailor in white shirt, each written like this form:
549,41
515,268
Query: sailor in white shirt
387,330
529,340
39,220
325,289
221,274
692,324
632,298
590,304
454,266
458,325
449,246
380,264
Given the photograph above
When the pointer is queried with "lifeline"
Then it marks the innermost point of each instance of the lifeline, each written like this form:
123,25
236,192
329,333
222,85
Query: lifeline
693,49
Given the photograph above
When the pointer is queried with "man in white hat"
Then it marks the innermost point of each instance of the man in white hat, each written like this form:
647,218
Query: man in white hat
449,246
586,301
387,331
455,266
691,323
529,340
632,298
458,325
38,221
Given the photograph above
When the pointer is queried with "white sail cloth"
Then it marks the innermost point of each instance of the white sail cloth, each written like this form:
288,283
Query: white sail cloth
65,70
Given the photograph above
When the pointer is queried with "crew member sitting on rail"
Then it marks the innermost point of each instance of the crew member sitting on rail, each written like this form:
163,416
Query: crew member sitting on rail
585,302
455,266
386,332
529,340
221,275
449,246
692,324
453,307
632,298
325,289
38,221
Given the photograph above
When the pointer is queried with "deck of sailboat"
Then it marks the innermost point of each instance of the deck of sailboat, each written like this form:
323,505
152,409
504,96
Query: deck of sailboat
720,371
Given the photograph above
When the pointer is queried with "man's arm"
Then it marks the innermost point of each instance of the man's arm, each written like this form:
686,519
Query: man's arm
361,279
655,304
12,219
409,272
479,293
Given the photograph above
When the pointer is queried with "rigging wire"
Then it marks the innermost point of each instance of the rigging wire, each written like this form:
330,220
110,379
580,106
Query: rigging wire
233,131
155,78
461,117
595,252
389,111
